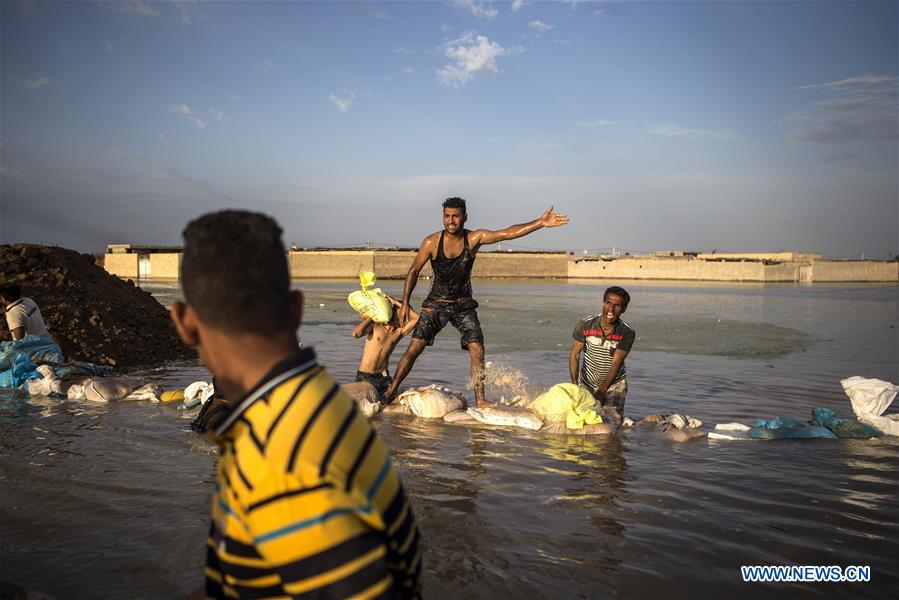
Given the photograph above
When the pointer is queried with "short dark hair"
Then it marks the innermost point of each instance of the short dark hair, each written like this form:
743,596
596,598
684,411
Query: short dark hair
10,291
618,291
455,202
234,272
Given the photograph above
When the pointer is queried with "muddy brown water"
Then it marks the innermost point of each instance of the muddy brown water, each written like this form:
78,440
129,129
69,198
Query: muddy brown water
112,501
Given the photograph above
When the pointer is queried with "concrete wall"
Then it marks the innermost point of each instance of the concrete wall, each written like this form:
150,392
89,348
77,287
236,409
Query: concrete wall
667,268
773,256
819,271
324,264
854,270
165,265
121,265
389,264
395,265
508,264
336,264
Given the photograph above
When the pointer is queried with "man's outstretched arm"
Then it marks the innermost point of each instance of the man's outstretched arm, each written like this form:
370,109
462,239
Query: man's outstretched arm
547,219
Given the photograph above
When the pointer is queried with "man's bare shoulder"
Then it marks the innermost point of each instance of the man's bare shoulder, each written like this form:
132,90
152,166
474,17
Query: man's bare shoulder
429,244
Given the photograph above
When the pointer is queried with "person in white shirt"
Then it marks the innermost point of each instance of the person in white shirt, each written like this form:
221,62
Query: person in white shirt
22,314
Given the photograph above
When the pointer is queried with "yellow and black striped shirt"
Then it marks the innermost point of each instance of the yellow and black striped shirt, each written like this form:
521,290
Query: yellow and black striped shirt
307,502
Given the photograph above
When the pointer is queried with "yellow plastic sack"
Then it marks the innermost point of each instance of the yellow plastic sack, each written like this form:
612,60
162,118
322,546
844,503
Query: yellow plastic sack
370,302
172,396
567,402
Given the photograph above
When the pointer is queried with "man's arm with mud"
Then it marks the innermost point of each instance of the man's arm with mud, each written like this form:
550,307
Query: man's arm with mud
547,219
425,252
617,361
413,316
363,328
574,359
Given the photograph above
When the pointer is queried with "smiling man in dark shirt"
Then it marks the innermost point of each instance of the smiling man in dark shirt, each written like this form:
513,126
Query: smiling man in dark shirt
452,252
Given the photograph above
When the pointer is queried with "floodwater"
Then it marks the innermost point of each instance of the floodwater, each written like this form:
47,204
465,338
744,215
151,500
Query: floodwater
112,501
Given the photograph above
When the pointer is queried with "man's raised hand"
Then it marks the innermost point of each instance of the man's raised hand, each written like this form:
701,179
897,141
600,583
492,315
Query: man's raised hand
551,219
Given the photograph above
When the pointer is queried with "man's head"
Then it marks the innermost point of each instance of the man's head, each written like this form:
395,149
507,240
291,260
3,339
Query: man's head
614,303
236,283
454,215
9,292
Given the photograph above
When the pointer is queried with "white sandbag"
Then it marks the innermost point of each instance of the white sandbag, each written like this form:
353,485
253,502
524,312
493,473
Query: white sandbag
364,395
507,417
431,402
199,390
147,392
108,389
75,392
48,384
731,427
729,435
458,416
395,408
730,431
870,398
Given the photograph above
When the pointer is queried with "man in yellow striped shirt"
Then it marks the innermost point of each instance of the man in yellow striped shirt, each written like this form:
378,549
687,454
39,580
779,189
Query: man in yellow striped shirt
306,502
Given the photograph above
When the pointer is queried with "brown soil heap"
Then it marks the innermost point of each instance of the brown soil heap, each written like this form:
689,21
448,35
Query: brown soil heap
94,316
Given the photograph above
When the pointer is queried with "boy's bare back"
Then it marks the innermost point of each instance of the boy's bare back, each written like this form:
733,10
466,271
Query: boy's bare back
381,339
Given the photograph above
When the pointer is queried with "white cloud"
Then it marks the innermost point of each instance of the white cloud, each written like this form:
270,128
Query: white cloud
189,9
540,25
482,10
855,109
369,10
403,50
217,114
268,66
185,110
596,5
108,45
164,139
597,123
852,83
232,96
409,70
693,134
471,56
33,84
137,10
516,5
343,103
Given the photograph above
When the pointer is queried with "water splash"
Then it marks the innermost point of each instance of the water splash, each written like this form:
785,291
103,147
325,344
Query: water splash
509,384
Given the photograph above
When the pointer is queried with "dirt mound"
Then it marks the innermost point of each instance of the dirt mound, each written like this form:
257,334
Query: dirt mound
94,316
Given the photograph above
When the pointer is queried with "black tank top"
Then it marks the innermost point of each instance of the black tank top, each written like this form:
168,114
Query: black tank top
452,276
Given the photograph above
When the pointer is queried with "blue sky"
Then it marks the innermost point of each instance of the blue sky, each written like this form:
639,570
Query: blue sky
736,126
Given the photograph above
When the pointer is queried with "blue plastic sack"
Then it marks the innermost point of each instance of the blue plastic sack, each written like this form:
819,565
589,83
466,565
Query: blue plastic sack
765,433
19,358
779,423
38,348
843,428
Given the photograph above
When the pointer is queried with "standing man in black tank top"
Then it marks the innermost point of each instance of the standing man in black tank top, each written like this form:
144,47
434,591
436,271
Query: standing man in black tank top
452,253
